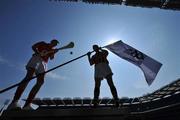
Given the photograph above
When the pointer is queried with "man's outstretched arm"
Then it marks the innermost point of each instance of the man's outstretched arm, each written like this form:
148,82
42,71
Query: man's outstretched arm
54,52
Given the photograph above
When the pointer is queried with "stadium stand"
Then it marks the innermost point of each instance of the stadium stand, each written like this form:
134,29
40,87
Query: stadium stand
162,104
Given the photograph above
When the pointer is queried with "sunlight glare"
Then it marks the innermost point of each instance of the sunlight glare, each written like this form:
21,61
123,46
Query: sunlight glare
110,41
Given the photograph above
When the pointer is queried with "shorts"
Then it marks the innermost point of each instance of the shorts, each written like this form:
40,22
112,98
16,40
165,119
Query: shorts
102,70
36,63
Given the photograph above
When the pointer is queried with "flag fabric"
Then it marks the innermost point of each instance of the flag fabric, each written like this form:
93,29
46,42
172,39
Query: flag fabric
148,65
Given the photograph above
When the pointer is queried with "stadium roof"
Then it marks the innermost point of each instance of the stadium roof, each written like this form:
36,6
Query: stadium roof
162,4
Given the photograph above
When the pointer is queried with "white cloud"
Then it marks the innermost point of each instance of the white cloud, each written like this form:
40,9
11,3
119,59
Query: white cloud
5,61
56,76
9,63
51,75
2,60
141,84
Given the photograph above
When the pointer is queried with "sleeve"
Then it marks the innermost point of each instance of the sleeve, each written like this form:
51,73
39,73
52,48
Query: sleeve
39,44
93,59
51,54
105,52
36,46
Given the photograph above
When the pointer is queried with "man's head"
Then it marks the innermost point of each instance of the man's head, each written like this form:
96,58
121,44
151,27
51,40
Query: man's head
96,48
54,42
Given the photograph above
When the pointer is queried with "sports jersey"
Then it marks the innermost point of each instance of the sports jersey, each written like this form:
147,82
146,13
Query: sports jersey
43,47
100,57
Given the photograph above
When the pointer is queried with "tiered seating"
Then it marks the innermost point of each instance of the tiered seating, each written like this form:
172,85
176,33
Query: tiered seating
167,95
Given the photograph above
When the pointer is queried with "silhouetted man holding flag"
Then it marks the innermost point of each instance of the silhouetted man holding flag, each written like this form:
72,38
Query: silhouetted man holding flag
102,70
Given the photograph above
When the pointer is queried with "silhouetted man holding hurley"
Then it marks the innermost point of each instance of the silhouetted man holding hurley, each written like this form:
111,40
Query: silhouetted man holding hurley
42,53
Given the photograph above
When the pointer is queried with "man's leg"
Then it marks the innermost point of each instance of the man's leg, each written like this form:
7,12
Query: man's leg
113,89
97,90
20,89
23,85
35,89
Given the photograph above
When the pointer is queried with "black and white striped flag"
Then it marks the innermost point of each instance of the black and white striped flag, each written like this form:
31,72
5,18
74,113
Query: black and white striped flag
148,65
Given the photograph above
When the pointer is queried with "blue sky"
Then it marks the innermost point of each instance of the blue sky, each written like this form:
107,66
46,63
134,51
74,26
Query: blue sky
155,32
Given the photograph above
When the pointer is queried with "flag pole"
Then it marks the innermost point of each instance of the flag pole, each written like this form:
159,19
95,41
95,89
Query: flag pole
15,85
